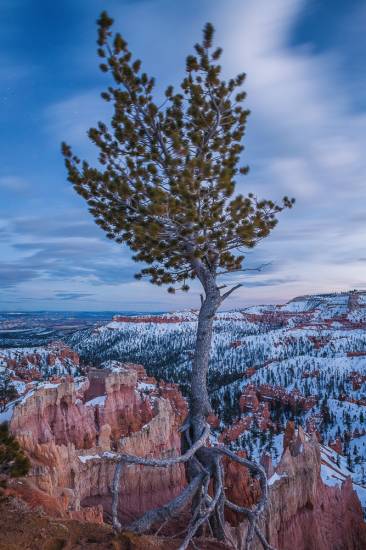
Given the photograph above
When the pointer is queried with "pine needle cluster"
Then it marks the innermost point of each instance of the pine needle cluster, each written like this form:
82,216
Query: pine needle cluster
166,177
13,461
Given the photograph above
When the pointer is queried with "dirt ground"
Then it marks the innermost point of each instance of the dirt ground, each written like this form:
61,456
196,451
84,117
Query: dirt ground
25,529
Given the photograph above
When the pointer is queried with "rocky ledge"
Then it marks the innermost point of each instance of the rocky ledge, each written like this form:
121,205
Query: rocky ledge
65,426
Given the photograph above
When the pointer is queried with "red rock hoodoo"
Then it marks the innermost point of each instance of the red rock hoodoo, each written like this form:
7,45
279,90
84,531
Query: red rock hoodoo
63,426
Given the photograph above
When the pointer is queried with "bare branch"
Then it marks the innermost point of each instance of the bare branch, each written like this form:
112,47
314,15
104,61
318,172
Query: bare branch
244,270
264,542
203,518
129,459
256,469
115,496
160,463
170,510
227,294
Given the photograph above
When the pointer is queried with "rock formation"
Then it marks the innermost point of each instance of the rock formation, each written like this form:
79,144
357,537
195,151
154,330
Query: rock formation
303,512
63,426
49,361
254,394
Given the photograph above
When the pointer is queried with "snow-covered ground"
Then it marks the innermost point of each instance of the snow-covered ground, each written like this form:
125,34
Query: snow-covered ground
314,345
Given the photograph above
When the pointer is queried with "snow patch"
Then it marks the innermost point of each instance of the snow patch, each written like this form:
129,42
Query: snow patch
276,477
99,400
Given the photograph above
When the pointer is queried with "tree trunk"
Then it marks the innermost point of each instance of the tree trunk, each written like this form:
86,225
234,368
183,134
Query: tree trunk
203,460
200,406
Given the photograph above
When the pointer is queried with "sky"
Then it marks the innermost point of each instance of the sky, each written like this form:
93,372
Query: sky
306,137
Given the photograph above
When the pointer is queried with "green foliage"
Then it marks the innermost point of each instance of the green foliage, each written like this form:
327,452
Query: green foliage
13,461
7,390
167,173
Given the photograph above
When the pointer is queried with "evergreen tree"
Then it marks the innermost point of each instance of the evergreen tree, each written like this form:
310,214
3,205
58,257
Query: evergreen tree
13,462
165,186
349,462
7,390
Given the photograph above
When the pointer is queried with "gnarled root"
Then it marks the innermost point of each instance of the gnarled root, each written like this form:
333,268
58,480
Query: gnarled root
204,466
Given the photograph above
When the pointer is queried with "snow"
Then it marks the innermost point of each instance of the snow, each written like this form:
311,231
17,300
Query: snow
6,415
307,345
85,458
276,477
109,454
334,474
331,477
80,381
48,385
37,358
19,386
99,400
361,493
114,366
144,386
25,397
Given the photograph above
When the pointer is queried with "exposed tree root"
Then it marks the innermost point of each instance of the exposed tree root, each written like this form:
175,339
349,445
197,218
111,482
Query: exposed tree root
204,467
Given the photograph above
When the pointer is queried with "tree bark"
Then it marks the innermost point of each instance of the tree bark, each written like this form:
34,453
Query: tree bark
203,460
200,406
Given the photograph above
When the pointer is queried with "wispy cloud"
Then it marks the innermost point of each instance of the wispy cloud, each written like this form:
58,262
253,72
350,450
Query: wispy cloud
13,183
70,119
73,249
72,295
306,137
11,274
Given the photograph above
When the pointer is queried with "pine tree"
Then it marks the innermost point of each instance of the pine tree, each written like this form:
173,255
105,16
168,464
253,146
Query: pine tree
165,186
13,462
7,390
349,462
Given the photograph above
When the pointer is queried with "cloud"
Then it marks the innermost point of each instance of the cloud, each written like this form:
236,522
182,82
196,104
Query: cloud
267,282
73,223
72,295
75,257
70,249
93,272
13,274
13,183
70,119
306,137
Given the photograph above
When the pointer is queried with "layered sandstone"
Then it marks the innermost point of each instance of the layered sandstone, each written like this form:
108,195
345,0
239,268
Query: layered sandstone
253,395
51,361
64,426
303,512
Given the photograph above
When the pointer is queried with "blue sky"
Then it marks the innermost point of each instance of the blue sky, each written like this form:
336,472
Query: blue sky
306,84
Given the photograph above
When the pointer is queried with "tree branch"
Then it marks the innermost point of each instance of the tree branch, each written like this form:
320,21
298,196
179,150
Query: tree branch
227,294
244,270
161,463
170,510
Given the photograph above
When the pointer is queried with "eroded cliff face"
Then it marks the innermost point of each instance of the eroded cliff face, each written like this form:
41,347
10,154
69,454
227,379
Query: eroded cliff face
27,364
303,512
64,426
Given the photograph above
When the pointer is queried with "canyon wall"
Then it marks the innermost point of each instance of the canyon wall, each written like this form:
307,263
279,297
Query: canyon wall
303,512
64,427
